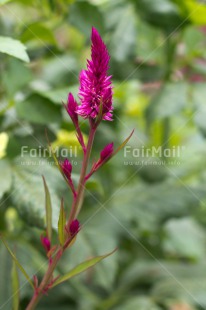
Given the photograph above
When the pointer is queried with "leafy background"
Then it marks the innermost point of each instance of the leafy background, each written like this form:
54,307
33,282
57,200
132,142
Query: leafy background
154,210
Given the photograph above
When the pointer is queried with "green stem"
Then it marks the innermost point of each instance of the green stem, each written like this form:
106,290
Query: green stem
77,202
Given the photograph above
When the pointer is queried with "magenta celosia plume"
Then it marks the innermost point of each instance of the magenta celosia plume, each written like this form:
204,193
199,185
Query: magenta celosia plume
95,85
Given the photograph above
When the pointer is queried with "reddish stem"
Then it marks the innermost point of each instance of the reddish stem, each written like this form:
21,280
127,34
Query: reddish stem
77,202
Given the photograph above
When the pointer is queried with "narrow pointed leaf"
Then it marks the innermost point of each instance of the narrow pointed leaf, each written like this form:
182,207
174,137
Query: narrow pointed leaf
48,207
17,262
122,144
81,268
61,224
56,160
15,287
58,166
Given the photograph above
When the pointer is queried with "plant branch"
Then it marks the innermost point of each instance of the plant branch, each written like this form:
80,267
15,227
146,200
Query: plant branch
77,202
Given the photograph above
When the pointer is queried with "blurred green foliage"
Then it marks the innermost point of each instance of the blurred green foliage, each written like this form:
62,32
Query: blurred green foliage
153,209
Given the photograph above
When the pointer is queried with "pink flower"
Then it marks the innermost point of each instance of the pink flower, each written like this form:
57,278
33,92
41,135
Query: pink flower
71,108
67,168
95,85
46,243
107,151
74,227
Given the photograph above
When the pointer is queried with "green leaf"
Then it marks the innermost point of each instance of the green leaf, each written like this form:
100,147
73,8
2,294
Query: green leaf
38,32
160,13
168,101
187,283
29,196
99,235
38,110
2,2
196,12
59,95
17,262
13,48
61,224
12,80
140,303
15,287
84,15
123,144
198,94
153,208
94,185
57,69
169,279
123,38
175,243
81,268
5,279
57,162
48,208
193,39
5,177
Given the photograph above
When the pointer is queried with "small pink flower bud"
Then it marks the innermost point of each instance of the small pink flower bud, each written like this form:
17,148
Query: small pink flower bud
71,108
46,243
67,168
74,227
105,155
107,151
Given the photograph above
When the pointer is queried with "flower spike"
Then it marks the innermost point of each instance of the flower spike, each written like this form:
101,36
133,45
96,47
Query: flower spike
95,85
